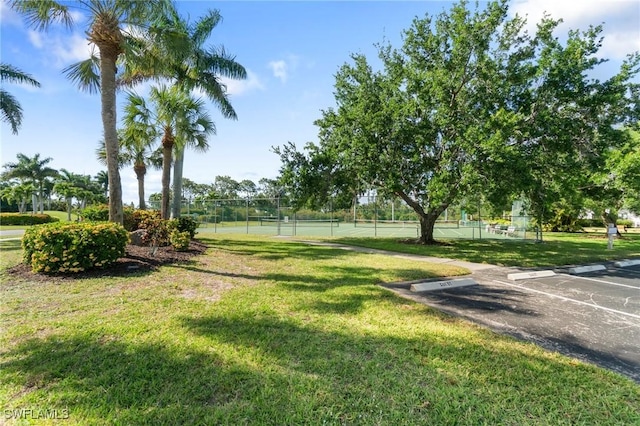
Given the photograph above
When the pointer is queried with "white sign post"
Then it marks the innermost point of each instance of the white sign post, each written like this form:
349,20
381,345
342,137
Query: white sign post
611,233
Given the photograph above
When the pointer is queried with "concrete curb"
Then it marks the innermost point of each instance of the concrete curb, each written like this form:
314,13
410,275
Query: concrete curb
532,274
441,285
626,263
588,268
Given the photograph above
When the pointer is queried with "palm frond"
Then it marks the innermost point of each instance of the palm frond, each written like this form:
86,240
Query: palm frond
11,111
40,14
205,26
85,74
14,75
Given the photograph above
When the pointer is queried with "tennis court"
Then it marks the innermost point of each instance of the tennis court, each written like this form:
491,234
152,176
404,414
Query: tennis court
360,228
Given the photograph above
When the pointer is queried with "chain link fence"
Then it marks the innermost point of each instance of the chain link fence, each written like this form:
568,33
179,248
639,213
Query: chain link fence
370,218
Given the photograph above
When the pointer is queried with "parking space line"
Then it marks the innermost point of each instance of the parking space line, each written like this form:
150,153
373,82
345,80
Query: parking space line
601,281
569,299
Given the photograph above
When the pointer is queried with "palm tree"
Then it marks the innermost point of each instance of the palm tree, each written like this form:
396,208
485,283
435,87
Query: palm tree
177,118
107,24
11,109
66,185
136,148
194,135
176,51
31,170
18,193
102,178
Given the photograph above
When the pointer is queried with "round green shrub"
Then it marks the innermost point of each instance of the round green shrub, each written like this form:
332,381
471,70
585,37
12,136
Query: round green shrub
184,224
73,247
180,240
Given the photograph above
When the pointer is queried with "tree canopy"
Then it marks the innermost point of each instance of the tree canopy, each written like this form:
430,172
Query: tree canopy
471,104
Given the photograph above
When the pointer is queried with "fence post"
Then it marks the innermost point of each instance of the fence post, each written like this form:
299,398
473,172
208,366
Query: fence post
247,214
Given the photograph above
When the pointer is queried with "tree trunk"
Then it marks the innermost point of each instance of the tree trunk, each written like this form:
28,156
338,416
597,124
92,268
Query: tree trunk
167,149
427,223
428,218
41,195
69,209
177,182
108,58
141,171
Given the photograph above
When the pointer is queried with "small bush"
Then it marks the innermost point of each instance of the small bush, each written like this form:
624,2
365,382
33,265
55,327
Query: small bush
96,213
184,224
26,219
625,222
100,213
138,217
157,231
180,240
73,247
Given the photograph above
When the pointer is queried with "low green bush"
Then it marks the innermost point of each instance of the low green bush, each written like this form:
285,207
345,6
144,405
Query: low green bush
180,240
96,212
73,247
184,224
100,213
21,219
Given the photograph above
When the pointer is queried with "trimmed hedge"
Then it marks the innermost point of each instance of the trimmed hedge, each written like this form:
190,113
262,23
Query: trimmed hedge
22,219
73,247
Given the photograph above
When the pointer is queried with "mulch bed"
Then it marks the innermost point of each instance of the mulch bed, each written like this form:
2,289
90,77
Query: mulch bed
136,259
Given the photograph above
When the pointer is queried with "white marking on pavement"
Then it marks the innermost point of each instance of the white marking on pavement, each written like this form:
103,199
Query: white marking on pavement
580,302
602,281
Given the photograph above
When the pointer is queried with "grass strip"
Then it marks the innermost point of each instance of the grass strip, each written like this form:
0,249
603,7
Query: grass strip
558,249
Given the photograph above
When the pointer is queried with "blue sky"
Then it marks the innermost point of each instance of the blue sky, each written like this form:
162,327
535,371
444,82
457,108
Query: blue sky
291,51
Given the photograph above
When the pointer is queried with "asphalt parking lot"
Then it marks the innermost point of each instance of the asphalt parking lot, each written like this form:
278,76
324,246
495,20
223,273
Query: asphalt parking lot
592,316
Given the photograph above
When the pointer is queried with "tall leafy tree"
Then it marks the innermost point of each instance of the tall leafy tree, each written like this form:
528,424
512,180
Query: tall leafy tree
33,170
9,106
469,104
109,27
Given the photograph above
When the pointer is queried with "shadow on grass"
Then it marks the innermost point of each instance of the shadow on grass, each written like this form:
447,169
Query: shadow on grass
280,371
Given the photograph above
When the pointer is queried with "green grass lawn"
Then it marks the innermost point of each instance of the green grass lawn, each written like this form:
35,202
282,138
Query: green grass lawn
262,330
556,250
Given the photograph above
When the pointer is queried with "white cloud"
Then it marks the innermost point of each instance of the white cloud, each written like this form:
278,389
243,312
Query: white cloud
620,19
9,16
35,38
240,87
71,49
279,69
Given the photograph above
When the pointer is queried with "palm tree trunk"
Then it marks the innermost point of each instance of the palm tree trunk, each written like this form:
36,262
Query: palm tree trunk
177,182
140,171
167,149
108,97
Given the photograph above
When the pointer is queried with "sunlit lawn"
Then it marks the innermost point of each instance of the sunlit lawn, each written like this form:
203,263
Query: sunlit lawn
263,330
557,249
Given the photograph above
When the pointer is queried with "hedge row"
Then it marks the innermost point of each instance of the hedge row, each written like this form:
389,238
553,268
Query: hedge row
22,219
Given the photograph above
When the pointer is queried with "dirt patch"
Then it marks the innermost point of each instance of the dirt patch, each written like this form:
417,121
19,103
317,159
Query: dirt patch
136,259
